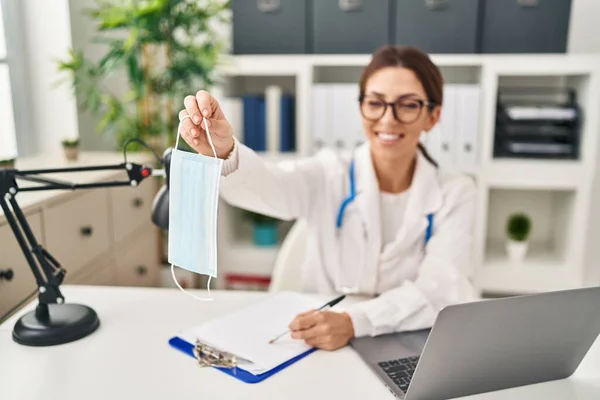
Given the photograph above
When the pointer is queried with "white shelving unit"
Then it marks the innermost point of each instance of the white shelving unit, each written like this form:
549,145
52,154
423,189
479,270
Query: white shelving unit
555,193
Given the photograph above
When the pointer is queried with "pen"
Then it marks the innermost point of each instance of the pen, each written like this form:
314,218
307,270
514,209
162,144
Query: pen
326,305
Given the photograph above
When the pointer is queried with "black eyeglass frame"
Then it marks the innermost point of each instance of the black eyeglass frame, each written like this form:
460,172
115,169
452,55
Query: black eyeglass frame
423,103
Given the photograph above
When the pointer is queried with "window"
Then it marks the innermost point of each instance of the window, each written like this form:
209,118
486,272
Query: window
8,139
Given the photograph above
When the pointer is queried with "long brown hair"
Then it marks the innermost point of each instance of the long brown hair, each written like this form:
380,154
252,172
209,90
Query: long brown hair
418,62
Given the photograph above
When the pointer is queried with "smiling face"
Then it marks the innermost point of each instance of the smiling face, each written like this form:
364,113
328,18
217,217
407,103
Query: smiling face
394,138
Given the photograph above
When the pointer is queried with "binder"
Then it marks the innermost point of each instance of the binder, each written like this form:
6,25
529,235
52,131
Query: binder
467,127
347,123
273,98
238,373
255,129
288,124
249,120
246,333
447,131
322,121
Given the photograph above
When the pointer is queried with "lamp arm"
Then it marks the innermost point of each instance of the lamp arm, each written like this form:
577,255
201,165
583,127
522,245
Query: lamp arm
47,271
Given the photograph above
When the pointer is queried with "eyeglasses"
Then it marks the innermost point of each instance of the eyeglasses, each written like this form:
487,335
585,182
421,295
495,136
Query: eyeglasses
405,111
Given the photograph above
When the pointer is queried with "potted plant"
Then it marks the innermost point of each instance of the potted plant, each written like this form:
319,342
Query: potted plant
518,228
7,163
71,149
265,229
167,49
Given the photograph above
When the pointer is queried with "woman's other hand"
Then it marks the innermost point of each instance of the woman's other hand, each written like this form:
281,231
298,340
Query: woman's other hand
192,129
326,330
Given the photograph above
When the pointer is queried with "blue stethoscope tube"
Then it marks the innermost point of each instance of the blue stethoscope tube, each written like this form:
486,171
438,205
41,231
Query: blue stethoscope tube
348,199
352,196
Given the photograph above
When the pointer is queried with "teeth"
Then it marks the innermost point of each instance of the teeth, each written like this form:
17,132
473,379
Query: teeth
388,136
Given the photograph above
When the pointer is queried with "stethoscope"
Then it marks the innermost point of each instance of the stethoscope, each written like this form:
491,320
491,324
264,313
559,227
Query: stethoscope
339,222
352,196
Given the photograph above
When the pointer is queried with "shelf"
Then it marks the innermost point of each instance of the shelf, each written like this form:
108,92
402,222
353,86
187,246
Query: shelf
556,194
543,269
535,174
509,64
552,215
246,258
514,280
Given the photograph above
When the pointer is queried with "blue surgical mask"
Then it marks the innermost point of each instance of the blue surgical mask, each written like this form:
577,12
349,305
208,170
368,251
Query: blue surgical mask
193,204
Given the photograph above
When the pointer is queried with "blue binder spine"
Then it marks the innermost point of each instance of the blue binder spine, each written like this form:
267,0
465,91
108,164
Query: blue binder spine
248,123
288,124
260,124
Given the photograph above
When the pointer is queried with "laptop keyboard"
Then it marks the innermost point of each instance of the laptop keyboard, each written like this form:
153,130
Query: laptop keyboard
400,370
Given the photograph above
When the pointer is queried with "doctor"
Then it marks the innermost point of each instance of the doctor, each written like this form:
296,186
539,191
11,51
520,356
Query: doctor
383,221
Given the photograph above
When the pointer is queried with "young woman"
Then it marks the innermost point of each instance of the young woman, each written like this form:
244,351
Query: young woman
384,222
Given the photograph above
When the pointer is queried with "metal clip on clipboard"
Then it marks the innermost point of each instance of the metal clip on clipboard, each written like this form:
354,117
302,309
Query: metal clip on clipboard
209,356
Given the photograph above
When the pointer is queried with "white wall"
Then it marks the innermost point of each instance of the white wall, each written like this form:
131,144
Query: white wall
584,29
52,111
83,32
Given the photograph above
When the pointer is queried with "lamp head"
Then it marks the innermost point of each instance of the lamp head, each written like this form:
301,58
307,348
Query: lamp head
160,206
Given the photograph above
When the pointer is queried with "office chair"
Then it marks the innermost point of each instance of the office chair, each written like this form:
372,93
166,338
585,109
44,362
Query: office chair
287,271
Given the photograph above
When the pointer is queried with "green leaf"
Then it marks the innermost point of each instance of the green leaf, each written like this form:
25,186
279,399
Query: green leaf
140,23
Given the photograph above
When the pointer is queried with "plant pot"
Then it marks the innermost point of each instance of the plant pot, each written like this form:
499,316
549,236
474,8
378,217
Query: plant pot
8,165
516,251
71,153
265,235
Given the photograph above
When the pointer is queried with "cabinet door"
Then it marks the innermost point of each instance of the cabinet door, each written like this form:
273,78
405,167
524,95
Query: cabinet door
137,262
350,26
131,208
77,229
13,265
269,26
525,26
438,26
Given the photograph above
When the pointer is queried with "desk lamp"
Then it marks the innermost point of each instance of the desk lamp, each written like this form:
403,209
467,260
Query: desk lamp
53,321
160,206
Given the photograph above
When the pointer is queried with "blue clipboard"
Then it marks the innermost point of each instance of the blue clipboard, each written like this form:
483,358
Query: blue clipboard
238,373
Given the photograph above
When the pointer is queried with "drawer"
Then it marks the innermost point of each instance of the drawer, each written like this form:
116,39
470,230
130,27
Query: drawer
438,26
137,262
23,284
131,208
77,229
525,26
269,26
350,26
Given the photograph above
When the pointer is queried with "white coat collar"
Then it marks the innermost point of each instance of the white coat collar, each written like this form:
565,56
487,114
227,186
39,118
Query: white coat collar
425,197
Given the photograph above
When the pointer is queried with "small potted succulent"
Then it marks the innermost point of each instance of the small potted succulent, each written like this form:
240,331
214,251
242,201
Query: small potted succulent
518,228
7,163
71,149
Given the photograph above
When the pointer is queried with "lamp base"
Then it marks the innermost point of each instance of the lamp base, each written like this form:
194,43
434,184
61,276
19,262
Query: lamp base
55,324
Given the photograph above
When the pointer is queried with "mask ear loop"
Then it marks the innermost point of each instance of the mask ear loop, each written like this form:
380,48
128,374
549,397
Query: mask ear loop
173,266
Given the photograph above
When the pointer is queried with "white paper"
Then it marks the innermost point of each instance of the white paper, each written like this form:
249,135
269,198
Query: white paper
247,331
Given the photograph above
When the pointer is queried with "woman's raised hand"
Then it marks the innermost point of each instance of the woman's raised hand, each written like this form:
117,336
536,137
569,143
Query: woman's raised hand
198,108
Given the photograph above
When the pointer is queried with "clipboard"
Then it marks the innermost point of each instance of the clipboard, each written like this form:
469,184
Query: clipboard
231,340
238,373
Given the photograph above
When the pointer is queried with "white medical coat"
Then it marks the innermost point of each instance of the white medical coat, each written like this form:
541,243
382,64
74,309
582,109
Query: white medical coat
409,282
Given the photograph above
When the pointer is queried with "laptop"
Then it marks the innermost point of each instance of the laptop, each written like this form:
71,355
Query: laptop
488,345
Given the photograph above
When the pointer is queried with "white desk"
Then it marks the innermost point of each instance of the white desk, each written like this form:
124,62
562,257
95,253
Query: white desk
128,357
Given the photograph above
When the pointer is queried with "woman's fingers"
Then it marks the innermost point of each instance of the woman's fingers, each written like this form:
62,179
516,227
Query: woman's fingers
189,128
191,106
307,321
206,103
